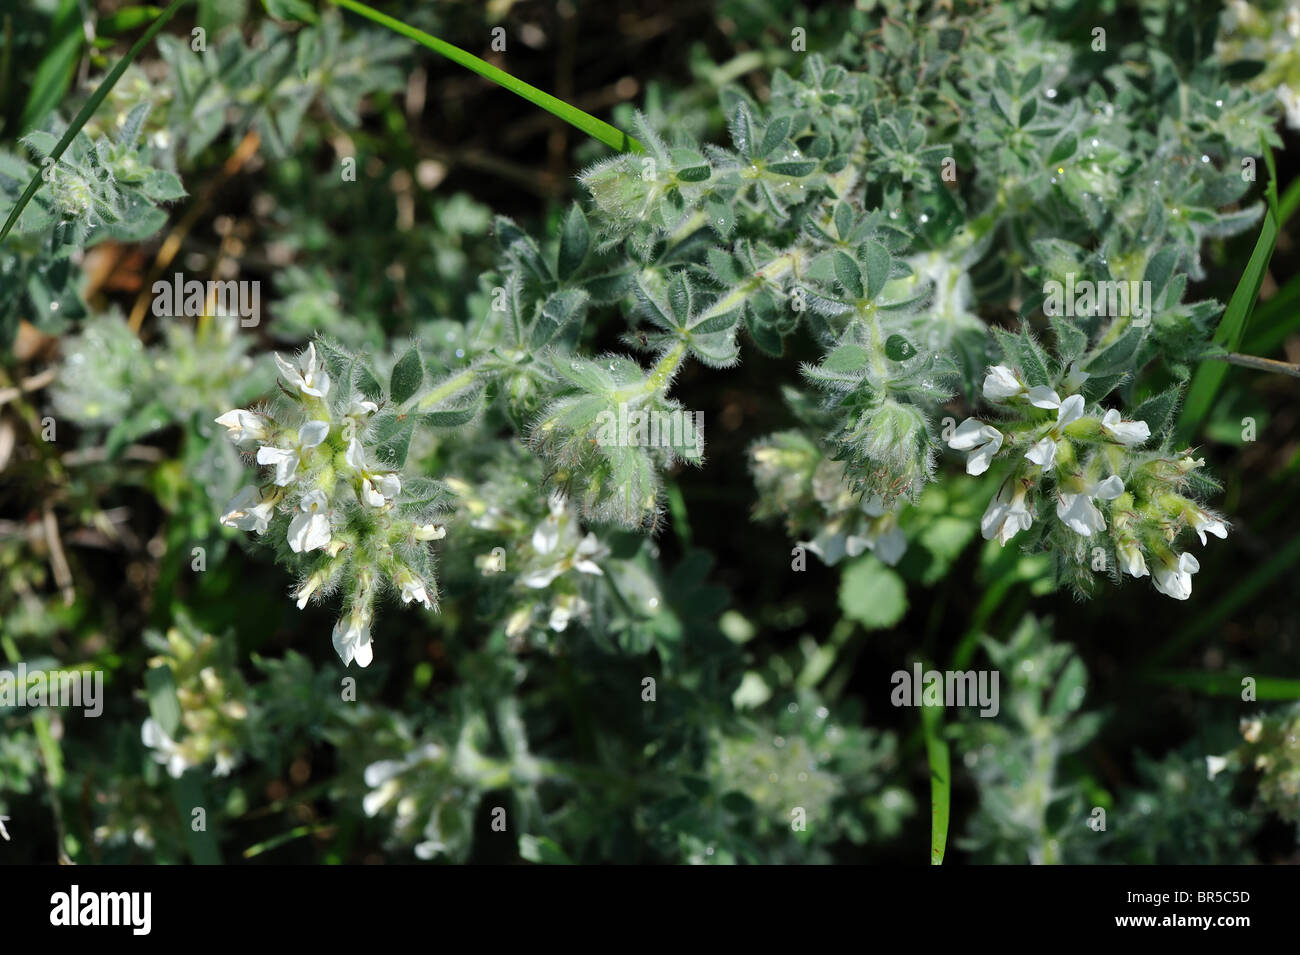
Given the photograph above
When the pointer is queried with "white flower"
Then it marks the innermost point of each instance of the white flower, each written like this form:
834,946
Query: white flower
1001,383
1077,512
304,374
285,460
1208,522
352,642
1070,411
981,440
413,589
1040,396
564,609
1074,377
1043,453
313,584
430,532
360,408
1173,577
1125,432
1007,513
244,427
556,539
1131,560
1215,765
247,512
370,495
310,529
167,752
389,486
584,558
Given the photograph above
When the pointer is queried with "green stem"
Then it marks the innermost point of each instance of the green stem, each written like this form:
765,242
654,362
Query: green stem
597,129
660,375
88,110
447,389
1259,364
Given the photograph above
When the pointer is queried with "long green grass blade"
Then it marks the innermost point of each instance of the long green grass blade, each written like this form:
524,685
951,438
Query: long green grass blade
1209,376
936,748
1230,684
1232,327
88,110
1278,318
54,73
599,130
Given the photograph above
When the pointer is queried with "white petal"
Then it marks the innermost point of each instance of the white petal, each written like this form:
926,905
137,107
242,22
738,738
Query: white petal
246,512
537,579
308,532
364,652
1071,410
1109,489
968,434
285,462
1043,454
370,495
313,433
342,643
1074,378
1211,524
354,456
1001,383
1040,396
243,427
1132,562
1125,432
289,371
1077,512
546,536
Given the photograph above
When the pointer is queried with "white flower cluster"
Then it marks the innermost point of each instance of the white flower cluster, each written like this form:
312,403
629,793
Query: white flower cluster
558,548
1146,518
321,471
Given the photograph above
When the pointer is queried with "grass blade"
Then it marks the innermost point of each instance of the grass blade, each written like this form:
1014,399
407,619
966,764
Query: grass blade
1229,684
936,749
1232,327
599,130
57,67
88,110
1209,376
